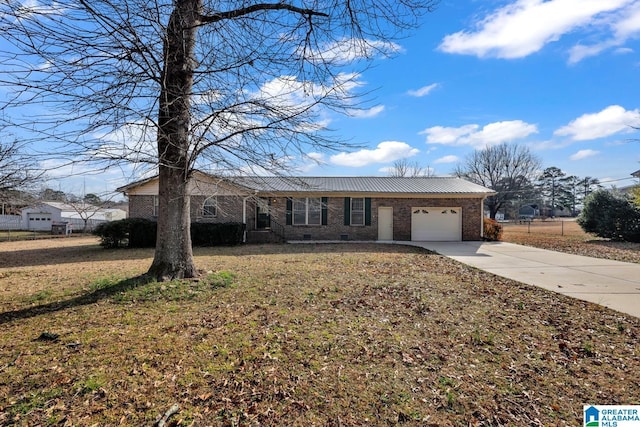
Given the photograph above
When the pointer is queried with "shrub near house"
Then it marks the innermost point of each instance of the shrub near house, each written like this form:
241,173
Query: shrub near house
492,229
141,233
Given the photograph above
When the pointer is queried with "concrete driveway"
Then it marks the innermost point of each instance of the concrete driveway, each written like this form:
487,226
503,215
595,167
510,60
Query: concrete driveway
612,284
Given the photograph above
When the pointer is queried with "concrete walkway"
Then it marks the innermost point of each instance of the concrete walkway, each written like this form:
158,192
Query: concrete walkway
612,284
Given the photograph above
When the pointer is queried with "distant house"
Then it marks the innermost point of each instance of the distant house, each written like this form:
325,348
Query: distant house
500,216
44,215
330,208
562,211
528,212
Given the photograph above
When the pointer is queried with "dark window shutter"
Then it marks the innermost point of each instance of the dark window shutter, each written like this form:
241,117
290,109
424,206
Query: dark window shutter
288,213
367,211
347,211
325,201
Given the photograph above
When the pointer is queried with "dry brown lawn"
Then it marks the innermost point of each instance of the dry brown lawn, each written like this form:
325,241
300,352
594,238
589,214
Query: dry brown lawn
298,335
567,236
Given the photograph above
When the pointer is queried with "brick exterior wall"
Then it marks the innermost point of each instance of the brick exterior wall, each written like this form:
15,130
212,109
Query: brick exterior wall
141,207
336,230
471,215
230,210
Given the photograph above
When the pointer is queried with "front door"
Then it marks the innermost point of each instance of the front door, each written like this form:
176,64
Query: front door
263,214
385,223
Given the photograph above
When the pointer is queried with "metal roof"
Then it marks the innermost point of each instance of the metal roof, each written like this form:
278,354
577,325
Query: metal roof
393,185
354,184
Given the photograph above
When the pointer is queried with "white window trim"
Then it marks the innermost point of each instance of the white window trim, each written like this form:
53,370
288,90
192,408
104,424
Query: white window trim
215,207
307,205
156,205
357,210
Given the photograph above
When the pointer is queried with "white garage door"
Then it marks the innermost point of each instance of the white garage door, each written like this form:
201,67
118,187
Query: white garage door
430,224
39,221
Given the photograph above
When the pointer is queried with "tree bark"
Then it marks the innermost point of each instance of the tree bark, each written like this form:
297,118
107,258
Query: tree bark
173,255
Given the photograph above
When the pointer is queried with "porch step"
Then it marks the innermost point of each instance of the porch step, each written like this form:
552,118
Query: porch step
263,236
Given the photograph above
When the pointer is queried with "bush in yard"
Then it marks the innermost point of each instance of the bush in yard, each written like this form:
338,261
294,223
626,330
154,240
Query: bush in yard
212,234
612,216
141,233
130,232
112,234
492,229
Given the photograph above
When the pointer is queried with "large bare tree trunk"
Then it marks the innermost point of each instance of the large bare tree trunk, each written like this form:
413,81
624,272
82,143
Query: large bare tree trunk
173,256
222,108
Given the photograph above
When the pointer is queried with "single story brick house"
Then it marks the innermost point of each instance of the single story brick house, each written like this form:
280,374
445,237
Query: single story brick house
330,208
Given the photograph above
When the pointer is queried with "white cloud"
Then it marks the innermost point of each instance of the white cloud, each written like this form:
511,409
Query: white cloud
423,91
624,25
366,113
346,50
286,95
611,120
135,142
579,52
526,26
80,178
447,135
316,157
387,170
472,135
387,151
583,154
309,162
447,159
623,50
629,23
35,7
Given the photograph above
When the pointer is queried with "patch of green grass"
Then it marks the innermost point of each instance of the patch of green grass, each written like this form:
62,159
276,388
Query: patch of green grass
139,290
91,384
446,382
588,350
478,338
40,296
34,400
220,279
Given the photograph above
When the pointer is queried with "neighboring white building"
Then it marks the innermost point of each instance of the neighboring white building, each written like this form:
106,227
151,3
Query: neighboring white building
44,215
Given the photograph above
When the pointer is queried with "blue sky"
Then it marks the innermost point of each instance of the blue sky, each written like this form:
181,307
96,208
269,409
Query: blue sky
559,76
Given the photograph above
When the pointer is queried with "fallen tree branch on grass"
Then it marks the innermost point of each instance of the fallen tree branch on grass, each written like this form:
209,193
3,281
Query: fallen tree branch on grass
162,420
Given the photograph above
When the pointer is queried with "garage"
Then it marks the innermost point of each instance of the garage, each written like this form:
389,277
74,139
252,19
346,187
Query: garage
436,224
39,221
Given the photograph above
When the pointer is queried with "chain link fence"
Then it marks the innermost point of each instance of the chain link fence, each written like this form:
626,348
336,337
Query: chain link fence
566,227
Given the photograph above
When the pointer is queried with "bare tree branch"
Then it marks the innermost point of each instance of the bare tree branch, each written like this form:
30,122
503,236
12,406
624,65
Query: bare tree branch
237,13
509,169
178,84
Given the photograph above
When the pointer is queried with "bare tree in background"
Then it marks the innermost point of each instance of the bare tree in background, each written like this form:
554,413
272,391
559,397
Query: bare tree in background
405,168
85,211
508,169
18,171
228,85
